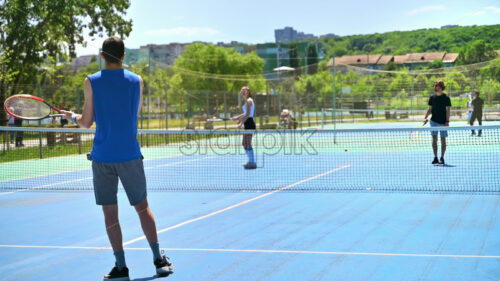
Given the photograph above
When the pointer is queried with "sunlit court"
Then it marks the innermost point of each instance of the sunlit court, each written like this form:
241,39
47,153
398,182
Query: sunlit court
146,140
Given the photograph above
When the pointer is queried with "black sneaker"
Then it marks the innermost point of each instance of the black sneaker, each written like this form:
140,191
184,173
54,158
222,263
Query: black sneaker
250,166
163,266
441,161
435,161
117,274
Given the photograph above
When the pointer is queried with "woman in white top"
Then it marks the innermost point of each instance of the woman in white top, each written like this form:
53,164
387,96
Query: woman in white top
246,120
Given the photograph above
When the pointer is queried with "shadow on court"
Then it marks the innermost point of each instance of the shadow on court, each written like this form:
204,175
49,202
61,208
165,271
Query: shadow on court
446,166
154,277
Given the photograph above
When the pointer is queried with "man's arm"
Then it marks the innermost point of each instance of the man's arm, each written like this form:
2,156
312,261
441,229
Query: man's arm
429,111
448,110
86,119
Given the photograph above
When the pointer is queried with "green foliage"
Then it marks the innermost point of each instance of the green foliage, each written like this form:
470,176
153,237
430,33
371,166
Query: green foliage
490,90
207,68
391,66
294,57
478,51
492,70
450,40
33,32
312,59
435,64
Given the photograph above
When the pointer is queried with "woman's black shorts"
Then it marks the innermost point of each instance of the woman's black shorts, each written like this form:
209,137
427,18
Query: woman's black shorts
250,124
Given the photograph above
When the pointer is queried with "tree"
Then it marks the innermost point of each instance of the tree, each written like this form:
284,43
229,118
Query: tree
490,90
391,66
207,69
476,52
294,57
492,70
32,32
437,63
312,59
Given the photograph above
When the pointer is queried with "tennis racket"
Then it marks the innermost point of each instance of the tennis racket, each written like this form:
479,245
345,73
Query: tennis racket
29,107
415,134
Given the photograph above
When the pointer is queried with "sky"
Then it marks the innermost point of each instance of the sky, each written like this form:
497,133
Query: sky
184,21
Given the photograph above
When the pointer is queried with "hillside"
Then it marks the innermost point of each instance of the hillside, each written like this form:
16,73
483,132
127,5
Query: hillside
402,42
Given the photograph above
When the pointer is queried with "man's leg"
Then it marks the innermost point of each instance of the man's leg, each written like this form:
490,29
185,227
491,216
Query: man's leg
480,121
163,266
114,233
148,225
443,146
435,146
471,121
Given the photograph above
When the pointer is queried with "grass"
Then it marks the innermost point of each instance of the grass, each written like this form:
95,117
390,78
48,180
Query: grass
16,154
34,152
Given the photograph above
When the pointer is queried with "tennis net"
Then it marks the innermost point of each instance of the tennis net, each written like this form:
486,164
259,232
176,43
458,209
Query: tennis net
390,160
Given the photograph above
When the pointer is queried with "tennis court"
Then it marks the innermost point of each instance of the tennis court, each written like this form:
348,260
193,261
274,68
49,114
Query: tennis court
347,204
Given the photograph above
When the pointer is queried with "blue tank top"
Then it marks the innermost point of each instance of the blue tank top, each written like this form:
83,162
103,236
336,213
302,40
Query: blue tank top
116,94
252,109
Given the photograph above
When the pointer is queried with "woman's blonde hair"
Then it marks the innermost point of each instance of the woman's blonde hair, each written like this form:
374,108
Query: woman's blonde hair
246,88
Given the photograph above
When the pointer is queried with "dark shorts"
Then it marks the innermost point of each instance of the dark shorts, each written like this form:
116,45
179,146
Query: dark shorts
131,175
250,124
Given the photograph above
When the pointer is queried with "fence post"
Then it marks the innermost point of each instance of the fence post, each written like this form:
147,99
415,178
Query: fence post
166,113
40,143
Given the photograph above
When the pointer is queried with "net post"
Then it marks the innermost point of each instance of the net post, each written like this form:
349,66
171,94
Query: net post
79,142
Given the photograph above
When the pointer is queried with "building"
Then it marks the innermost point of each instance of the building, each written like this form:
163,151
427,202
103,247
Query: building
411,61
164,54
449,26
383,60
82,61
235,45
132,56
328,35
417,60
288,34
449,59
278,54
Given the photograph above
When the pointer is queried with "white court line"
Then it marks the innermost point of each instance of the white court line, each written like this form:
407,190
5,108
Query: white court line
70,171
239,204
179,162
89,178
261,251
45,185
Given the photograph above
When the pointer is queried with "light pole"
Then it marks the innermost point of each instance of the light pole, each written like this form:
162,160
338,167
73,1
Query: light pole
334,112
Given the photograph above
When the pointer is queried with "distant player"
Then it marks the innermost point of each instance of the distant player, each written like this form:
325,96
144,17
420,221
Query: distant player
477,112
439,108
246,120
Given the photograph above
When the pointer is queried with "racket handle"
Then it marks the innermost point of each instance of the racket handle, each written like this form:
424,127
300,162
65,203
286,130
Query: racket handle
73,118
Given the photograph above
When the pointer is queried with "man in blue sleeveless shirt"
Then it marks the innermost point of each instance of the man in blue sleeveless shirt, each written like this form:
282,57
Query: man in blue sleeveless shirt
113,97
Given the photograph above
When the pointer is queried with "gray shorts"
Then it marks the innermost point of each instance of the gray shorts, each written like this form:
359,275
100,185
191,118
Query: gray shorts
444,134
131,175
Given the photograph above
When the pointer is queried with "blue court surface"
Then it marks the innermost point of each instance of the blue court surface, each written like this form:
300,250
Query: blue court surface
274,234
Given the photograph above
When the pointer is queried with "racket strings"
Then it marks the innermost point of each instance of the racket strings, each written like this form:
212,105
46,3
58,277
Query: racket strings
27,108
